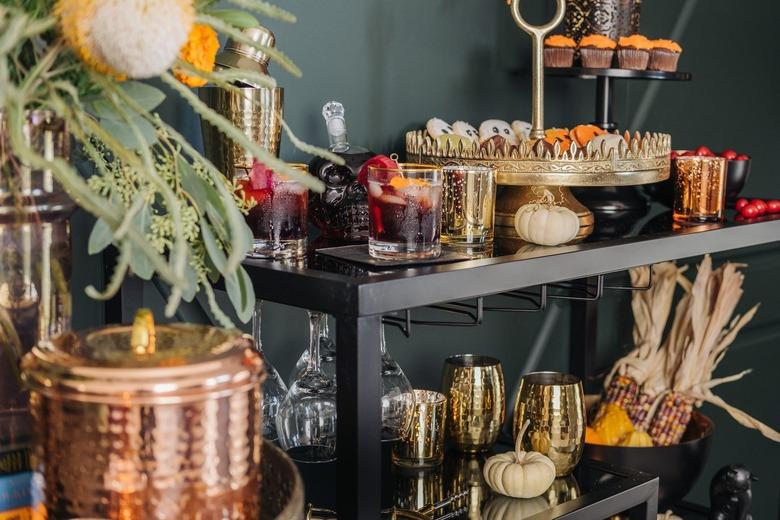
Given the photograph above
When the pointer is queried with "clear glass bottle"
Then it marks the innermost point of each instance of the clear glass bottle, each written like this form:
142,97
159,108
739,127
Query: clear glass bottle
306,421
274,389
341,211
327,356
397,396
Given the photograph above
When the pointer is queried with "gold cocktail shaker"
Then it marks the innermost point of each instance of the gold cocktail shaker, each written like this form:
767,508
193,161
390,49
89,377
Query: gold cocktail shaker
254,109
147,422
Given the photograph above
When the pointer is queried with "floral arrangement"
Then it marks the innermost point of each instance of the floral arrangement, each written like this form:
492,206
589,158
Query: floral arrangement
168,210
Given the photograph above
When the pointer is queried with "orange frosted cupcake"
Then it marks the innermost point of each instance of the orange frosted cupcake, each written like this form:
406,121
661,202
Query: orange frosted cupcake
633,52
664,55
596,51
559,51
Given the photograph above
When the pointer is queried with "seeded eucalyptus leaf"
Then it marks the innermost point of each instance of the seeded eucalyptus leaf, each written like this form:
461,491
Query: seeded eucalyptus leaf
235,17
193,184
192,284
214,252
100,237
125,135
212,271
147,96
241,293
139,260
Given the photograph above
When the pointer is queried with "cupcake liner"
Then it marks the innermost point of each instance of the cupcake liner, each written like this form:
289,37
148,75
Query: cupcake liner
635,59
595,58
663,60
558,57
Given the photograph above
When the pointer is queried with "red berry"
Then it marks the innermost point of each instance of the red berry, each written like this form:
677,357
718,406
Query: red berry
741,203
760,205
742,157
773,206
380,161
729,154
749,211
704,151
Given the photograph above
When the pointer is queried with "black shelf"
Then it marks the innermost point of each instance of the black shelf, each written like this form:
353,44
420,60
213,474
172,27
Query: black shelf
359,297
590,73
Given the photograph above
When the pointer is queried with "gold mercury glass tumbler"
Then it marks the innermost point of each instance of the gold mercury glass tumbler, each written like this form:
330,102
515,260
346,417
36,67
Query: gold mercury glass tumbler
699,189
423,444
474,386
554,404
468,208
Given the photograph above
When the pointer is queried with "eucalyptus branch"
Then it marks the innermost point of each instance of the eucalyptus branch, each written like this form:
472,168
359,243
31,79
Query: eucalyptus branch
266,9
220,316
240,37
123,263
228,76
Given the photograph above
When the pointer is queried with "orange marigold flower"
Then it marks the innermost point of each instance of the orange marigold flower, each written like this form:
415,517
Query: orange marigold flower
200,51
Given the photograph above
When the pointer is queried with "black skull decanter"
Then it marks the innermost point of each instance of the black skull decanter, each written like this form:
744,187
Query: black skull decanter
341,211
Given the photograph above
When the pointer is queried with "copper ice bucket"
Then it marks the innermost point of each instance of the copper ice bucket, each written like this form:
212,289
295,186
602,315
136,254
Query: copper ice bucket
160,423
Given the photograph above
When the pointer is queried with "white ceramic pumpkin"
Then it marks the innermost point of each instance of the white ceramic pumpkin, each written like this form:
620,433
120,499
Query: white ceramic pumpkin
505,508
518,473
546,224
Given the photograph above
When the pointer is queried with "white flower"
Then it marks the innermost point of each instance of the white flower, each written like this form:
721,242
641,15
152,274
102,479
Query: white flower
140,38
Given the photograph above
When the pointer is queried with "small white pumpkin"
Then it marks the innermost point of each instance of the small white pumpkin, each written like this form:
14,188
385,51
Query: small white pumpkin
518,473
546,224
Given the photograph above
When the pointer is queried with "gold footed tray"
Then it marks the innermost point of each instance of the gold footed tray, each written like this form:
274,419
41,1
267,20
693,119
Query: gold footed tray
281,487
527,170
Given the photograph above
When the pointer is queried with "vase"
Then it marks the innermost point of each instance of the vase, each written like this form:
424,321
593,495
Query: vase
35,301
613,18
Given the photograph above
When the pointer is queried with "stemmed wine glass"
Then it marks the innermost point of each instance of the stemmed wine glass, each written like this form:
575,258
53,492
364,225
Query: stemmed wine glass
306,420
327,356
397,396
274,388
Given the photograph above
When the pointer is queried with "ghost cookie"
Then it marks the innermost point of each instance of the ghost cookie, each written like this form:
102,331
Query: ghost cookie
495,127
465,130
607,143
437,128
522,130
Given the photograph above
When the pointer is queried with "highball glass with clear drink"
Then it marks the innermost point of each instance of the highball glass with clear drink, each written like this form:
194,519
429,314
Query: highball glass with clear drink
278,219
469,202
404,209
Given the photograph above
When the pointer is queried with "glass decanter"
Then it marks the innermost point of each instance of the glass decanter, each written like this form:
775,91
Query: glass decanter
327,356
397,396
274,389
306,420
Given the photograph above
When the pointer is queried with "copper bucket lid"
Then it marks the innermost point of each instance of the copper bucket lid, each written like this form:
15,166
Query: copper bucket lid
144,364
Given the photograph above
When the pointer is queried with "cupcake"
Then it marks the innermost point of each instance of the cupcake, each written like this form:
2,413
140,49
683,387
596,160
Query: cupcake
596,51
664,55
633,52
559,51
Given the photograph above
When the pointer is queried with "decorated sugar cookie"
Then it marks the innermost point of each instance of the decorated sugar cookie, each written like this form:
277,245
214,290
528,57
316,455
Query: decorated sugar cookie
522,129
495,127
437,128
465,130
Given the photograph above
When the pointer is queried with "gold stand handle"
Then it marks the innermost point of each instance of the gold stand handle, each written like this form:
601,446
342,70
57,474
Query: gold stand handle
537,34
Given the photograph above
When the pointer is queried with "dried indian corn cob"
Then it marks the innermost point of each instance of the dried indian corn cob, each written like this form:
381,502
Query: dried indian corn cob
622,391
671,419
639,409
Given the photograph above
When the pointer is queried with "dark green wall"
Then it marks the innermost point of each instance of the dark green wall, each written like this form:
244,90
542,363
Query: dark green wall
396,63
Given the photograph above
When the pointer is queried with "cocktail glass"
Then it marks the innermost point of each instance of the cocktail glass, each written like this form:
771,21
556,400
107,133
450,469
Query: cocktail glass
278,219
404,209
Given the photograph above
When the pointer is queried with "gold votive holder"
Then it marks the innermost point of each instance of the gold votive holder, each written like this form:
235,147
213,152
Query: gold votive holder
468,209
474,386
554,404
423,445
699,189
147,422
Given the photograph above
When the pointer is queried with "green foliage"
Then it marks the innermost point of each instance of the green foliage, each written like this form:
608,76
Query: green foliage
167,208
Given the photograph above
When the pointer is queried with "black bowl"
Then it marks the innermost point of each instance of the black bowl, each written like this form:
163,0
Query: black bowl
678,466
737,174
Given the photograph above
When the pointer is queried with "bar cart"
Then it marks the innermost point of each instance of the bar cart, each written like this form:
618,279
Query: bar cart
359,298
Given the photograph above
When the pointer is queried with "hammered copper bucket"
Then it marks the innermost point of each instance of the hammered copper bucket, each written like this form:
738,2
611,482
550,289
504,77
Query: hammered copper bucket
148,422
613,18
